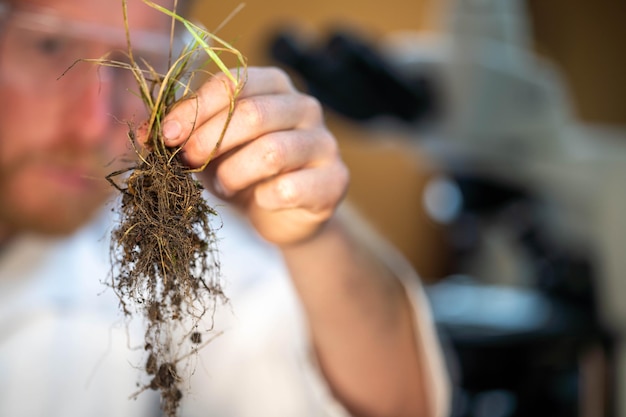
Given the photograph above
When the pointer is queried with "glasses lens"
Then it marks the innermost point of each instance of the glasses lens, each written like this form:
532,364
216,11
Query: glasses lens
52,57
35,59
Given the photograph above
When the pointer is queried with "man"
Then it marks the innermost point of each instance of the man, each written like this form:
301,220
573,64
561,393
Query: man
340,335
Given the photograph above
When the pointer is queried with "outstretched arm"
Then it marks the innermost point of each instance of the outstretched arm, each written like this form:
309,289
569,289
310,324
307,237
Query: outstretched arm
380,359
280,166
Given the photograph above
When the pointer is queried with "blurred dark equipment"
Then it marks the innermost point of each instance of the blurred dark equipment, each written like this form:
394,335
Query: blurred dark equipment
520,350
350,77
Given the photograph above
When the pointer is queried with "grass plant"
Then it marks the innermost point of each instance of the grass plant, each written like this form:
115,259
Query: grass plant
165,263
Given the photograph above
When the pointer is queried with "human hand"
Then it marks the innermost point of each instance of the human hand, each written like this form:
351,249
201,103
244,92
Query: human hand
277,162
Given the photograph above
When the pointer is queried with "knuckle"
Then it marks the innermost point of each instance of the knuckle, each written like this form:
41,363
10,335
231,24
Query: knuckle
312,105
286,192
330,142
280,76
326,142
274,153
253,112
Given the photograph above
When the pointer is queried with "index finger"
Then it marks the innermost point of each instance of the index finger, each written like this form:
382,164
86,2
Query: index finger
215,95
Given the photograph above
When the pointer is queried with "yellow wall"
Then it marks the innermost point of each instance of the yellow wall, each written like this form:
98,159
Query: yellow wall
260,18
586,40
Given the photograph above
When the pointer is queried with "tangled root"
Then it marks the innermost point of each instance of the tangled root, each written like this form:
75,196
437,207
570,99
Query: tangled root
165,265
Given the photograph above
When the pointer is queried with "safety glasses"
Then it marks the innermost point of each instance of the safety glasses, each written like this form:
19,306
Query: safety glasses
43,52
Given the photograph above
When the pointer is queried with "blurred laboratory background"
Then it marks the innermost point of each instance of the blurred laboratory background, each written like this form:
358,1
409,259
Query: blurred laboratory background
487,141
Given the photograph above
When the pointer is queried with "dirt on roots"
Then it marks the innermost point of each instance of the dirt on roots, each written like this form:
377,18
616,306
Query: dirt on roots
165,266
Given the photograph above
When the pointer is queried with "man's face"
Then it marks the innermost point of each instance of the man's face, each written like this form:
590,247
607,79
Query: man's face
60,138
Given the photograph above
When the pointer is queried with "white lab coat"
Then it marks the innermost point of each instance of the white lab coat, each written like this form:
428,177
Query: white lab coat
67,351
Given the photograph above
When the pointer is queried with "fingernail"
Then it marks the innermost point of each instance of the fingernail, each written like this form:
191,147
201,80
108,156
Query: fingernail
171,130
